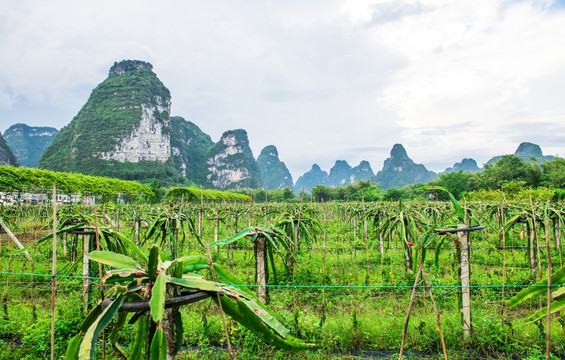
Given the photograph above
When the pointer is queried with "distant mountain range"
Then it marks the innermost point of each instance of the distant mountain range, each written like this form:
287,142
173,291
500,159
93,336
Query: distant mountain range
28,143
125,130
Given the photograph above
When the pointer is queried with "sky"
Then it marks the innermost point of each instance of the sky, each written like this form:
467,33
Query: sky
322,80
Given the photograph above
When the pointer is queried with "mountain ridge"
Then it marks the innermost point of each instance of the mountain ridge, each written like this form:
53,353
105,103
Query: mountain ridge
29,142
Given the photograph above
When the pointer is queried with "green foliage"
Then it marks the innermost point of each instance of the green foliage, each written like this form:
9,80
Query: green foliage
38,336
511,175
514,191
28,179
456,183
194,193
237,301
379,310
558,302
459,212
553,173
509,168
370,191
157,189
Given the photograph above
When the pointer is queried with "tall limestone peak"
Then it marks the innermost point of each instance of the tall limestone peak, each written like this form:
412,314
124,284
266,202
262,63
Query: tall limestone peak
399,170
398,153
231,163
274,172
190,146
123,130
340,174
6,155
361,172
310,179
526,151
467,164
29,142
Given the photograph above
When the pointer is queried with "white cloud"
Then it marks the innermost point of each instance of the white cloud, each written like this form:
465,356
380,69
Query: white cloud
471,66
321,80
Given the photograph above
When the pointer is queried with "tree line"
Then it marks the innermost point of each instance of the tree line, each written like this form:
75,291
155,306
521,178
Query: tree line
510,176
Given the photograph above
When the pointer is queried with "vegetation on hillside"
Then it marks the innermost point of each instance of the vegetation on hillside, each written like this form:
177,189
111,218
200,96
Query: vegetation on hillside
190,146
112,111
22,179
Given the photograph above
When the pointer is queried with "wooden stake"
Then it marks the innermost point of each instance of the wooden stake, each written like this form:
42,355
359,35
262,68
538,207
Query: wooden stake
296,239
557,235
100,275
33,307
549,297
429,288
535,238
213,273
324,268
365,239
407,321
201,213
54,273
14,238
465,290
260,245
354,265
85,272
137,222
503,256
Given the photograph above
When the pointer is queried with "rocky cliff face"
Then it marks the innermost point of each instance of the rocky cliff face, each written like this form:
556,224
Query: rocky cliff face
361,172
399,170
310,179
340,174
6,155
466,164
274,172
123,130
148,140
129,65
190,146
231,163
28,143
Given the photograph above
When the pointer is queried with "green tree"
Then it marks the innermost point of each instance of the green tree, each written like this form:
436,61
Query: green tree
393,194
553,173
157,189
455,182
288,194
322,192
510,168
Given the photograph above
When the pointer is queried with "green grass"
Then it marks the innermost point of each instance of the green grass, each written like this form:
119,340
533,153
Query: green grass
369,319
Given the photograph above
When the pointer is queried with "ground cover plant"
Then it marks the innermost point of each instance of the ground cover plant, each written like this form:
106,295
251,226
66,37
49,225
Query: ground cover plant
347,289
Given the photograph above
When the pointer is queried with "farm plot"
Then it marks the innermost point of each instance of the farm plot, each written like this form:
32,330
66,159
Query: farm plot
343,276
